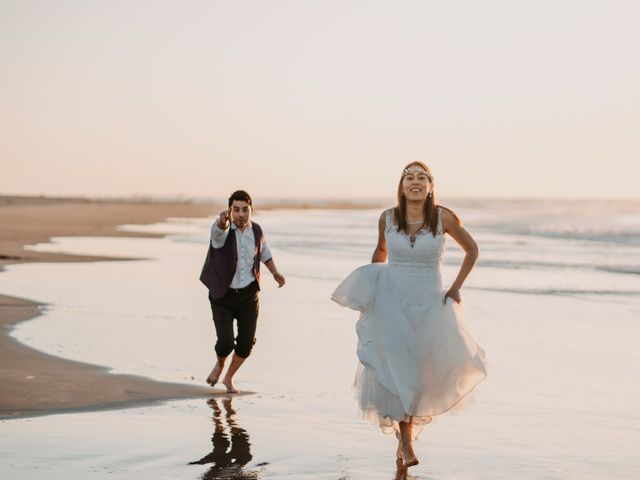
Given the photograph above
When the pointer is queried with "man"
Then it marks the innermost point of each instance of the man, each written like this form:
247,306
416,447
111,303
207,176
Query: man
232,274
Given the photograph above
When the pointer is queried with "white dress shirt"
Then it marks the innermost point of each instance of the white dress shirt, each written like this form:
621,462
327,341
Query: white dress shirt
246,245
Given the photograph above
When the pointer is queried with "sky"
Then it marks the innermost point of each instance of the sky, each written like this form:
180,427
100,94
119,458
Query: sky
319,99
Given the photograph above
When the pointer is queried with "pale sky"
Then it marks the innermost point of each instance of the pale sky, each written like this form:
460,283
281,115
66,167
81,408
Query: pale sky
319,98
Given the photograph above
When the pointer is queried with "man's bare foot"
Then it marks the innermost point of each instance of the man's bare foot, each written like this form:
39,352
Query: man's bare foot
213,377
409,458
231,388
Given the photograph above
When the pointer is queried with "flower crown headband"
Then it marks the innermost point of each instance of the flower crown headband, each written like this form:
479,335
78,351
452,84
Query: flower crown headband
415,169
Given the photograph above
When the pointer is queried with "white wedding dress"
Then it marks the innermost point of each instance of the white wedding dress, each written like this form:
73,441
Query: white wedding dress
418,357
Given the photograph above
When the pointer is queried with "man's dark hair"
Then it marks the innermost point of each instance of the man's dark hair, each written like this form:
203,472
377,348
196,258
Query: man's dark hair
241,196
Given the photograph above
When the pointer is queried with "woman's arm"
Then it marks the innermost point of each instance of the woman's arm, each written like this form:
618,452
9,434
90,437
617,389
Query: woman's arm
380,252
452,225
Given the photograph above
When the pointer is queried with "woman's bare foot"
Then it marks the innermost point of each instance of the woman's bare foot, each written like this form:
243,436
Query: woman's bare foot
409,458
213,377
401,470
228,382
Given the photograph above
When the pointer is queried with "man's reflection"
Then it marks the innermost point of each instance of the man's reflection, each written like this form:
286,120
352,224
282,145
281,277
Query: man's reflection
231,447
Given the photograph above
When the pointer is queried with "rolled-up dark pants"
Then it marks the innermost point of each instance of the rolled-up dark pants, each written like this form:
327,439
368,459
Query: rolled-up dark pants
241,305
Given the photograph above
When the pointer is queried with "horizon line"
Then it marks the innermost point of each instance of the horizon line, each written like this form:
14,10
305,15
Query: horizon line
305,200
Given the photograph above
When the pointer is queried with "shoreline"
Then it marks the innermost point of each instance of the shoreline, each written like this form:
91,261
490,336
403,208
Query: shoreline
35,383
31,220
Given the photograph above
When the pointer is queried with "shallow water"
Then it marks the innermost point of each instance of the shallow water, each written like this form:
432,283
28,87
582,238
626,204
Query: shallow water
558,322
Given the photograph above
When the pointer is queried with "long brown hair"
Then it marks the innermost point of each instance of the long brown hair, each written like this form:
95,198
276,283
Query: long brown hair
429,209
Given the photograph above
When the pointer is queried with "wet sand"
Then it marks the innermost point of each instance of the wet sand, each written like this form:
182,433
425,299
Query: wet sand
35,383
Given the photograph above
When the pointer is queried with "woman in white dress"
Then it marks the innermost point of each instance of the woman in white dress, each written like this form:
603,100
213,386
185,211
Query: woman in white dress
418,357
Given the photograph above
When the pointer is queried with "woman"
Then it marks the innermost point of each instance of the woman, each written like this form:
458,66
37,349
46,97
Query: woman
418,357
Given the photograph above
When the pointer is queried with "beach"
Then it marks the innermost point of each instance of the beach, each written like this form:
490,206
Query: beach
554,302
34,383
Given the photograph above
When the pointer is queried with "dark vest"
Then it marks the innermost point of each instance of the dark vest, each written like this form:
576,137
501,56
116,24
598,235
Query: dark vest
221,263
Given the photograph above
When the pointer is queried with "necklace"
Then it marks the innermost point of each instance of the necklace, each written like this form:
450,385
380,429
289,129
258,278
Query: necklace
412,237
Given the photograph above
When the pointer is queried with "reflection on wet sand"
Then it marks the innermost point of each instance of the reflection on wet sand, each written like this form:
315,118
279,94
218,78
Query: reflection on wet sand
231,446
232,449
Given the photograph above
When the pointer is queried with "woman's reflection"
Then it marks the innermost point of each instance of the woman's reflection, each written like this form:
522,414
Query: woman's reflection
231,447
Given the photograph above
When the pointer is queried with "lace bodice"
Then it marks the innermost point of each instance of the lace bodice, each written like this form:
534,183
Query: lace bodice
424,250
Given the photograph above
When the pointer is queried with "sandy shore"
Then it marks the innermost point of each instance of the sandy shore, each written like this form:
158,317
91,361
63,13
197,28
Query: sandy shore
34,383
30,220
